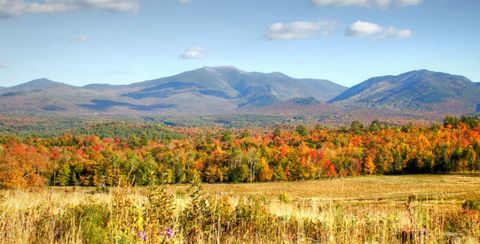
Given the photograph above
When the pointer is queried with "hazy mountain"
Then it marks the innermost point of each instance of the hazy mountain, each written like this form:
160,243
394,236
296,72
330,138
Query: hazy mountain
246,88
39,84
295,103
415,90
214,90
206,90
45,95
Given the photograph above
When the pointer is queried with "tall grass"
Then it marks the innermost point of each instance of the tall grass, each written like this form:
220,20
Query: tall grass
154,215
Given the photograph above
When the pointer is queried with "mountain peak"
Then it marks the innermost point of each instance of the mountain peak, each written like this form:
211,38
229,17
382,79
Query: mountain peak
279,74
41,81
418,90
226,67
427,72
38,84
222,69
423,71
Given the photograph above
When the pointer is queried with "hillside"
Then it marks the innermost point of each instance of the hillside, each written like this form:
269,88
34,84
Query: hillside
234,87
207,90
415,90
225,90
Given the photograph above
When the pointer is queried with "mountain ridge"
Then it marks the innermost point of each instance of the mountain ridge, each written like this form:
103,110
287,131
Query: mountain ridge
414,90
226,89
204,90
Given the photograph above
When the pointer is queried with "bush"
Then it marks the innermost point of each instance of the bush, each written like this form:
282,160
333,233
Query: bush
93,221
471,205
285,197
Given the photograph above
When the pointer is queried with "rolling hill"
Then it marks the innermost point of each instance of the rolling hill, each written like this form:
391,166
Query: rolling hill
415,90
207,90
218,90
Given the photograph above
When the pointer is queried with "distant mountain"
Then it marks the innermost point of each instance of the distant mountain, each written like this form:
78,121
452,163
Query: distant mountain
203,91
44,95
251,89
99,86
309,101
38,84
415,90
296,103
297,106
215,90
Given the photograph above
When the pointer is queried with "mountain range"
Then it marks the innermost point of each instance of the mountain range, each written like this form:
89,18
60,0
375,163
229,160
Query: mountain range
217,90
207,90
415,90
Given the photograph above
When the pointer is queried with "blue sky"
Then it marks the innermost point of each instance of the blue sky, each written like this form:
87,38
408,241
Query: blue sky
345,41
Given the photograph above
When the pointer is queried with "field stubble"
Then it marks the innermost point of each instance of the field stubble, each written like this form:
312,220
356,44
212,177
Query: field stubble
377,209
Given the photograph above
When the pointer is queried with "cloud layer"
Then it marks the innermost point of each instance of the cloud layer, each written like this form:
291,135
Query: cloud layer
299,30
367,3
9,8
193,53
80,38
368,29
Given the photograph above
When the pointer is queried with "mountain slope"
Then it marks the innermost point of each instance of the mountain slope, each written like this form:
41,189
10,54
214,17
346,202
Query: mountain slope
45,95
246,88
42,83
415,90
202,91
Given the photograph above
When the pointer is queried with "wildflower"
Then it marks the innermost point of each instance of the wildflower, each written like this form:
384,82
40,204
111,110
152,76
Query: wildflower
169,234
142,235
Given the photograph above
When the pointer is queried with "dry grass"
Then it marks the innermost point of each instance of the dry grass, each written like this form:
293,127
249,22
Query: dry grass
363,188
419,208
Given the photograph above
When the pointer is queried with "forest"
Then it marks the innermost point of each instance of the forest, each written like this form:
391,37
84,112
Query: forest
112,154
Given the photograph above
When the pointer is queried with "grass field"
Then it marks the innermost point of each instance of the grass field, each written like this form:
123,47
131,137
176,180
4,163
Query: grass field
360,188
418,208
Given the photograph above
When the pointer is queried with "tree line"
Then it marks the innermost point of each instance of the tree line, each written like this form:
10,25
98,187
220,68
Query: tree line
240,155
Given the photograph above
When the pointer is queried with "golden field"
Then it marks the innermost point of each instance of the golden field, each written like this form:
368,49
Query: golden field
376,209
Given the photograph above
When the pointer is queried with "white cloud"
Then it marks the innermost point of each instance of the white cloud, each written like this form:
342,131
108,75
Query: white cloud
367,3
184,1
193,53
10,8
80,38
392,32
362,28
368,29
299,30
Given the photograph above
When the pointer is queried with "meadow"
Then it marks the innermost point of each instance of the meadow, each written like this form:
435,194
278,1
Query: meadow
364,209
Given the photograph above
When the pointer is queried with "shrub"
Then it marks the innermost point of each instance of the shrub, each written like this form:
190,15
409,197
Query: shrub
94,220
471,205
285,197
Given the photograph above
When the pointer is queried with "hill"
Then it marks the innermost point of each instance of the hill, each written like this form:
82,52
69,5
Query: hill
415,90
234,87
207,90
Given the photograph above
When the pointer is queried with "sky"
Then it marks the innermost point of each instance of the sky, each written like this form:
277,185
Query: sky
346,41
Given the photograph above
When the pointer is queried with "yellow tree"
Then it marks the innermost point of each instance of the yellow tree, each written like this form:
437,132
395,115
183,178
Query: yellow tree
369,165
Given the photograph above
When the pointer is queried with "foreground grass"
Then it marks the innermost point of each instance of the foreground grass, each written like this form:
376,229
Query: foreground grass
387,209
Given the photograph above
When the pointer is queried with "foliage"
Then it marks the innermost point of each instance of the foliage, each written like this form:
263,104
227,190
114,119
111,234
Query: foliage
471,205
240,155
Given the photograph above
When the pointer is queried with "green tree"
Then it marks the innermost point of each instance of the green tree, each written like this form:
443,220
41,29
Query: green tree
302,130
375,126
356,127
